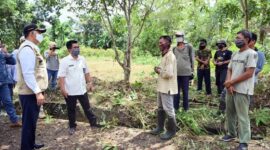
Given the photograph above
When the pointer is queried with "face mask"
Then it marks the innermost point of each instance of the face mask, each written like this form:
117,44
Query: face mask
163,48
220,46
75,52
180,39
202,46
39,37
239,43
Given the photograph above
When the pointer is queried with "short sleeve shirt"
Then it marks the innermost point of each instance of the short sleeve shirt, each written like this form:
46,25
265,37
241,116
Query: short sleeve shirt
221,56
203,55
239,63
74,70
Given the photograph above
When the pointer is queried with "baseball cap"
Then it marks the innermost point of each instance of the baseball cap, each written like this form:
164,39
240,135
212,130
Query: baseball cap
31,27
221,42
53,45
179,33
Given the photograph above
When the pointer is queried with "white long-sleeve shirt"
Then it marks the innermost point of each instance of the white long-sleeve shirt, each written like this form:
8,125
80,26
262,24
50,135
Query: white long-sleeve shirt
27,60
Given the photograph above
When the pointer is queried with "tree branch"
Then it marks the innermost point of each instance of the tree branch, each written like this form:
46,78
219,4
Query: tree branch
110,30
143,21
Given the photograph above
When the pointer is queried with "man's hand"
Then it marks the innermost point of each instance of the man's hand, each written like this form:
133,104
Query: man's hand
205,62
230,89
220,63
90,87
40,99
227,84
52,53
157,70
64,93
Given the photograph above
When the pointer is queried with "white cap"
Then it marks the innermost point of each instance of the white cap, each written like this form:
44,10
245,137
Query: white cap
180,33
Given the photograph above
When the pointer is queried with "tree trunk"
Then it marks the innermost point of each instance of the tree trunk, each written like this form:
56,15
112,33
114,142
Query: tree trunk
244,5
246,14
127,68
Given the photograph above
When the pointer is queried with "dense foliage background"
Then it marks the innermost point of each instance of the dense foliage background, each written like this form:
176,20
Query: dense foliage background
105,24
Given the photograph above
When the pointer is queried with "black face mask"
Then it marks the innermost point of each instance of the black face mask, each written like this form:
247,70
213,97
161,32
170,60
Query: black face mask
202,45
239,43
220,46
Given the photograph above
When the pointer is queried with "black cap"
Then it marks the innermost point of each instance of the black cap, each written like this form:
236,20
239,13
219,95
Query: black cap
31,27
221,42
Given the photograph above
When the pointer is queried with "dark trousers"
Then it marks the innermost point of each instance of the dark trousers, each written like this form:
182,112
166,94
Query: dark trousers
204,74
11,86
71,108
6,101
183,83
222,102
30,111
220,79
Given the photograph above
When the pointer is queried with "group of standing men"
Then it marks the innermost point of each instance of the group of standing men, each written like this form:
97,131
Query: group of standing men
236,74
33,76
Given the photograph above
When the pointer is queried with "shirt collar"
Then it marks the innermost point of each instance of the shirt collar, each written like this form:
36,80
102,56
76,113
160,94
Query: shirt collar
70,57
27,42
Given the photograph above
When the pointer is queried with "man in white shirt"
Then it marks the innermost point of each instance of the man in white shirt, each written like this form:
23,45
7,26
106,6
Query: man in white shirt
32,82
75,81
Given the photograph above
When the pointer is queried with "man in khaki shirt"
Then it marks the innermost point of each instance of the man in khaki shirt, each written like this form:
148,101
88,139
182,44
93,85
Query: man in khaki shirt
166,88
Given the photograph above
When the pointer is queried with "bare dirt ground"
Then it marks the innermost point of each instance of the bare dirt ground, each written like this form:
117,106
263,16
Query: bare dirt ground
55,137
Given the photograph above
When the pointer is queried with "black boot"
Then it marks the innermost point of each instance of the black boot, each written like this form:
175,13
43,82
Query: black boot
94,123
161,116
171,129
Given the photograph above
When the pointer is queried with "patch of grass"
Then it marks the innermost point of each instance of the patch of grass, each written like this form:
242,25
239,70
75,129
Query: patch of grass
108,69
261,116
194,119
48,119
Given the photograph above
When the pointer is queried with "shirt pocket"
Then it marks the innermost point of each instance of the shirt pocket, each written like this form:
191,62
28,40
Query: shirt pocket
71,68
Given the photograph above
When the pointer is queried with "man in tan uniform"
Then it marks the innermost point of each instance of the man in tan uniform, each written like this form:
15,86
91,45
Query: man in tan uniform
32,82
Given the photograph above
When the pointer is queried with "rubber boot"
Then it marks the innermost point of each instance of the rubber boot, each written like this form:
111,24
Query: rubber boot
171,129
161,116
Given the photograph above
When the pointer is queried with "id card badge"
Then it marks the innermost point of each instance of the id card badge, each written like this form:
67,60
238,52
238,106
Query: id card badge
84,70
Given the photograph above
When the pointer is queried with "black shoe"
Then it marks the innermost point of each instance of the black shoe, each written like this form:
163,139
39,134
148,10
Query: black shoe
96,125
38,146
71,131
243,146
228,138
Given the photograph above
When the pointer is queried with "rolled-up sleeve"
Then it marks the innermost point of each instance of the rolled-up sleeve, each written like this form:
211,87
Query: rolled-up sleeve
27,60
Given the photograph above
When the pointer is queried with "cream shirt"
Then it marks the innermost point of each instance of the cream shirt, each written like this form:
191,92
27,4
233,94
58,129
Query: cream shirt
167,79
74,70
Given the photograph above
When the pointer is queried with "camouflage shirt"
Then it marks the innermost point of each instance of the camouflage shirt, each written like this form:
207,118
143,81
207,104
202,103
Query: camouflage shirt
203,55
